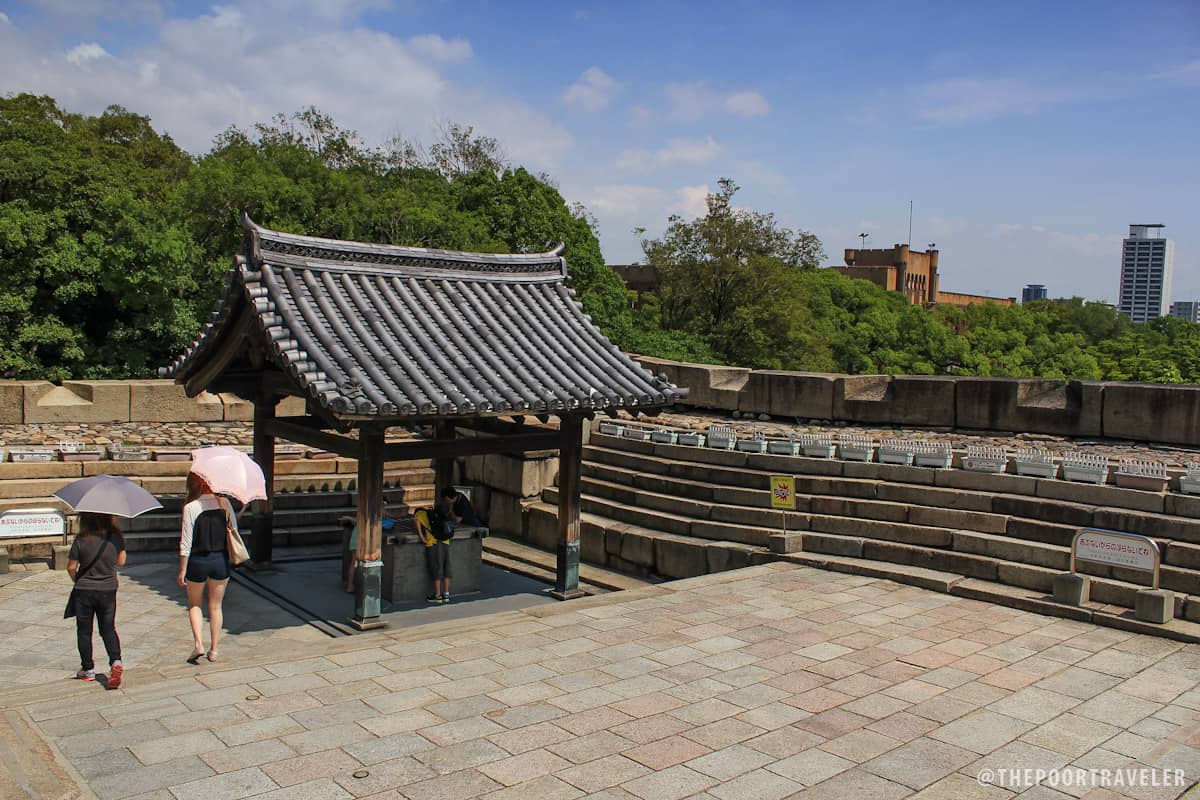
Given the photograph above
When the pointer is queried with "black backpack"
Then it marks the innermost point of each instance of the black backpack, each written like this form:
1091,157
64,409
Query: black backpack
440,525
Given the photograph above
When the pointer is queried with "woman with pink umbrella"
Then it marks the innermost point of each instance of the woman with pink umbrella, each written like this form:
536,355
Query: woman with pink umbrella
209,523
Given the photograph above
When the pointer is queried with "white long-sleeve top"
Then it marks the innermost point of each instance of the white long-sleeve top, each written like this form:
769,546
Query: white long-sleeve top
192,510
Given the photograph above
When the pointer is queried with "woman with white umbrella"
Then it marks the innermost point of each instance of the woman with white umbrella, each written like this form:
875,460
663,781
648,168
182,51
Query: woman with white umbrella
100,548
209,525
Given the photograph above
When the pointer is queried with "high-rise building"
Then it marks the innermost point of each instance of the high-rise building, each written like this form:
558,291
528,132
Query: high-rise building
1147,261
1186,309
1034,291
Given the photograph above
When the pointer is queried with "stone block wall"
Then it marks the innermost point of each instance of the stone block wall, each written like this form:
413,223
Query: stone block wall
1137,411
91,402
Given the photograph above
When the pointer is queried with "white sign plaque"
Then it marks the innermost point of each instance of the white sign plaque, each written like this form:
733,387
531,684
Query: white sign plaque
1117,549
32,522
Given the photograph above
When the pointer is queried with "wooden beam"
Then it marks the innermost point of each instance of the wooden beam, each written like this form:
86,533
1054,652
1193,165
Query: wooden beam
570,462
453,448
313,437
443,465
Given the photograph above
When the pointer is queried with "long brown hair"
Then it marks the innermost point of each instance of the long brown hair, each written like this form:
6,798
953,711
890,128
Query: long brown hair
196,487
91,524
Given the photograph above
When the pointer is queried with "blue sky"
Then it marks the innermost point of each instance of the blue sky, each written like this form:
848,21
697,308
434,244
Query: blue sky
1027,135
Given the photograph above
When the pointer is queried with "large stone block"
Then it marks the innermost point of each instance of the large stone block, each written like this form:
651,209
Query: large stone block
1027,576
542,528
954,518
1037,405
805,395
985,482
799,465
12,401
701,455
1183,505
591,542
1101,495
875,529
1153,525
867,509
77,401
851,546
840,487
1015,550
638,548
677,557
724,556
165,401
1152,412
1056,511
708,385
897,473
902,400
506,515
943,498
744,534
517,476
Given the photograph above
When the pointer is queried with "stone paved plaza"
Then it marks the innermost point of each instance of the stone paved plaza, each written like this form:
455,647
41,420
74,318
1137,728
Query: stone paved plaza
768,682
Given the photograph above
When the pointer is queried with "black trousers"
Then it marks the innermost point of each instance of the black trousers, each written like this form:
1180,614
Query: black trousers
101,606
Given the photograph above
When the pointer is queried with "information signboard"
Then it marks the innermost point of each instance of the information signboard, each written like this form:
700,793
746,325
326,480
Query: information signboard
783,492
28,522
1117,549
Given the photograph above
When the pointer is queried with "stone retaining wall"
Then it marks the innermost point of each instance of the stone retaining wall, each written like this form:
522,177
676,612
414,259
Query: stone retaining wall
1137,411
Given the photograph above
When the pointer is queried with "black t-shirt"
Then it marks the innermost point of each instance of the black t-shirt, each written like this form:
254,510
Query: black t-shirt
101,576
464,512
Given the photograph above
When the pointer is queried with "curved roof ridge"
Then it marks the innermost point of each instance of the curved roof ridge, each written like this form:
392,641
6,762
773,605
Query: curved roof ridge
346,250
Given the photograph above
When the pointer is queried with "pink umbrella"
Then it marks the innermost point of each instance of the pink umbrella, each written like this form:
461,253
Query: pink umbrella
229,471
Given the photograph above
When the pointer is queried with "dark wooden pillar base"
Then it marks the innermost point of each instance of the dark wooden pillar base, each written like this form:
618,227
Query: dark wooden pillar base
367,581
566,578
369,571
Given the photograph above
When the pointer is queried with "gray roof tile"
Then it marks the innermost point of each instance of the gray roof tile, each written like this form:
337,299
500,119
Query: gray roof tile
382,331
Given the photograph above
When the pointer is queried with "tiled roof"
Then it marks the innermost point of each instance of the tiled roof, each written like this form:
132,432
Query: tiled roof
381,331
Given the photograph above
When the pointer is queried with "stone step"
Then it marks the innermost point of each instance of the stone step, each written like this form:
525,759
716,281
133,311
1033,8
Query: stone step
946,485
588,573
1053,522
1016,585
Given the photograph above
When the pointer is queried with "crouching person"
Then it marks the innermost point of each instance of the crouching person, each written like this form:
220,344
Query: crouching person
436,534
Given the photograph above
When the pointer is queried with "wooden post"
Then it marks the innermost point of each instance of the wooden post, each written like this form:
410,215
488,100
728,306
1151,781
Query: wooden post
263,523
570,459
369,572
443,468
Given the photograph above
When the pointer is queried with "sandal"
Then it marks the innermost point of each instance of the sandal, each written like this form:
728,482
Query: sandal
194,658
211,655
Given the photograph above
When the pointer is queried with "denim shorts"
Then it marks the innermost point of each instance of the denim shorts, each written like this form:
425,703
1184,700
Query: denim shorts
210,566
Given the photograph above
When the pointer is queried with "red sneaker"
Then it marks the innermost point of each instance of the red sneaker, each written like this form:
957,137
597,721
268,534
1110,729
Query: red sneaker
114,677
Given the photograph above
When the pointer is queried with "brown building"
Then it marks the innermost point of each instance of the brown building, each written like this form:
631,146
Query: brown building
902,269
637,277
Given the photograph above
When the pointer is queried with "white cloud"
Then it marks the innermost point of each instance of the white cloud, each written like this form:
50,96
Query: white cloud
961,100
676,151
3,18
447,51
592,92
83,53
1184,73
242,63
746,104
690,101
692,201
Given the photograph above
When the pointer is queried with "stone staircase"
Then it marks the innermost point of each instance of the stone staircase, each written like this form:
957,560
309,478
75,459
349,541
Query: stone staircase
678,511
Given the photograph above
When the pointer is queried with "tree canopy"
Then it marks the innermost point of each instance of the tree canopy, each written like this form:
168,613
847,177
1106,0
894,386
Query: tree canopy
114,244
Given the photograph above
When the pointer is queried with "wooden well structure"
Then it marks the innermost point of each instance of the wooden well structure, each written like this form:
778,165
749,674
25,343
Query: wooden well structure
377,336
